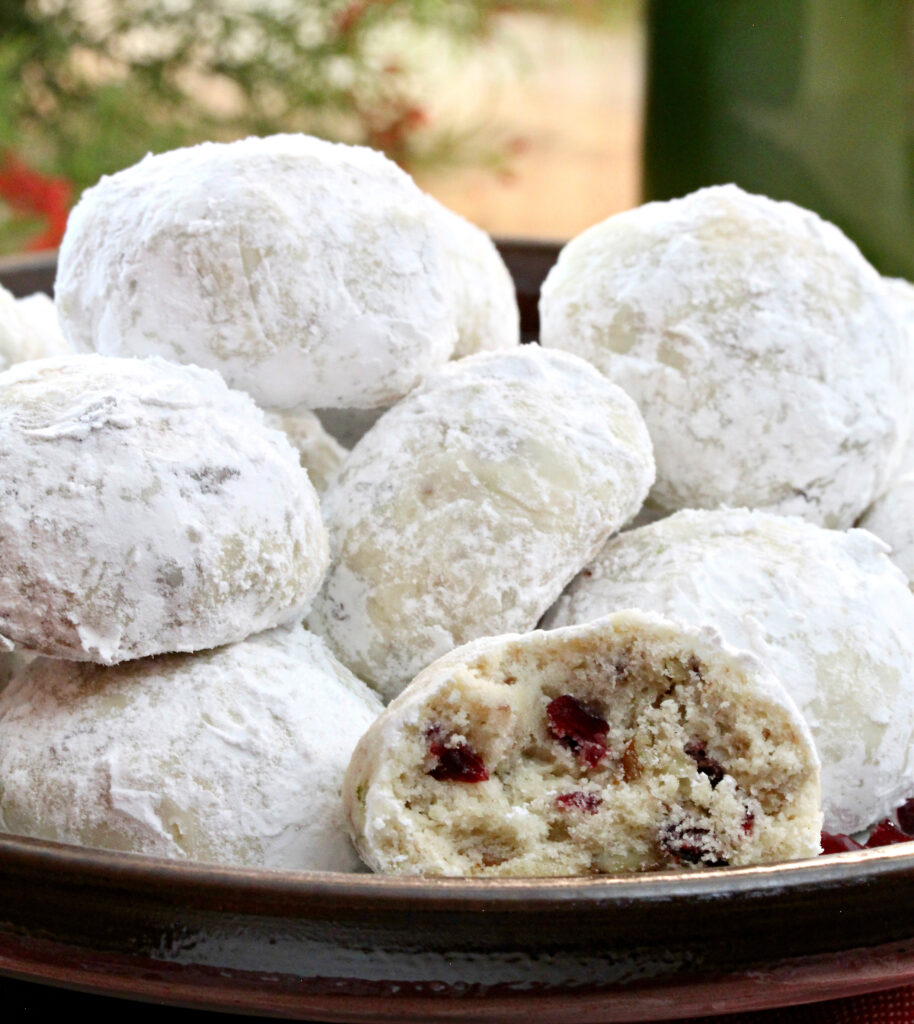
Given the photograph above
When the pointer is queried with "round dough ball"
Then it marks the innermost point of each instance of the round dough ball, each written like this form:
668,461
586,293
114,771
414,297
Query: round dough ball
891,518
627,745
469,505
485,307
825,611
756,340
319,453
146,509
485,300
306,272
233,756
29,329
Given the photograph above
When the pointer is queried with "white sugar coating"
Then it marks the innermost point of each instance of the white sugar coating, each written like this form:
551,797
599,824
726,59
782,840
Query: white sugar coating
891,518
306,272
826,611
319,453
756,340
470,504
232,756
29,329
901,298
626,745
146,508
486,303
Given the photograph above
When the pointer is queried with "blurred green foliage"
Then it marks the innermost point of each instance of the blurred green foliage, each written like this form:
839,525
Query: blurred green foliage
89,86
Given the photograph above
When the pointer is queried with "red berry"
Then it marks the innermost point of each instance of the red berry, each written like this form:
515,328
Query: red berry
688,845
457,762
698,751
887,833
905,815
578,728
586,802
837,842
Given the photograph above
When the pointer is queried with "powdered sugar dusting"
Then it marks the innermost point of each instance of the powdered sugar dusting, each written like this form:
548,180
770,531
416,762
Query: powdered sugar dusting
146,508
469,505
306,272
319,452
233,756
29,329
758,343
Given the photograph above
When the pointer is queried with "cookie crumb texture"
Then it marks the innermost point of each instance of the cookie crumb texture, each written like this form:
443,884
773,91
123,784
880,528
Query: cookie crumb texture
824,610
233,756
626,745
146,509
469,505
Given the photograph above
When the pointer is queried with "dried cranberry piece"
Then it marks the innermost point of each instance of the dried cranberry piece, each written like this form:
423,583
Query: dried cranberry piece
698,751
748,823
905,815
886,833
457,762
578,728
586,802
688,845
837,842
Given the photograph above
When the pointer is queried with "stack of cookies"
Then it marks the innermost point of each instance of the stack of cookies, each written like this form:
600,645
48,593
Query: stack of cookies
725,369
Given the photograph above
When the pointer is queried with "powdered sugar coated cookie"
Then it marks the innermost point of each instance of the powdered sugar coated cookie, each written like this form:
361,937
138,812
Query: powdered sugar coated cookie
756,340
468,506
891,518
306,272
146,508
627,745
232,756
29,329
825,611
484,297
319,452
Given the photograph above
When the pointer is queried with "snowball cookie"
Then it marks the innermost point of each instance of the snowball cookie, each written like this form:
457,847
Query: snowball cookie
467,508
318,452
826,612
305,271
756,340
29,329
627,745
146,508
486,303
891,518
233,756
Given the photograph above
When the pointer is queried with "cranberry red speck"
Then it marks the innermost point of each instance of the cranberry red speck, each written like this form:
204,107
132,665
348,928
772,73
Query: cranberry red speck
578,728
586,802
905,815
698,751
456,762
837,842
886,833
688,845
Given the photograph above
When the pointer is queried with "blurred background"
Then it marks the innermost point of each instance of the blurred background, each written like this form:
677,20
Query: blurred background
534,118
